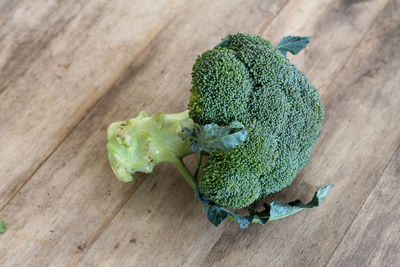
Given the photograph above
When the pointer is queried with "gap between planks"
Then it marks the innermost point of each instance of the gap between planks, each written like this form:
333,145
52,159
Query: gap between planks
336,74
267,24
363,204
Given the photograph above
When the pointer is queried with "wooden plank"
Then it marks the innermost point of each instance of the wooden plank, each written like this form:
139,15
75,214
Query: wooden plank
73,196
176,232
359,138
335,28
373,238
27,28
57,59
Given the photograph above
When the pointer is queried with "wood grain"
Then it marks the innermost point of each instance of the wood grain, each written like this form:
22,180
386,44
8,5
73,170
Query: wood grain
27,30
373,238
70,55
70,68
335,27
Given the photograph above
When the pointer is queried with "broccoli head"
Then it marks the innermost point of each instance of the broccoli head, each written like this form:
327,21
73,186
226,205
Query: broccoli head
247,79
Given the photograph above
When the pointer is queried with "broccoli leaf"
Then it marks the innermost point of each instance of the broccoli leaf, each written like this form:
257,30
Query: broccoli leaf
261,217
2,226
274,211
293,44
211,137
223,41
281,209
242,221
203,200
216,214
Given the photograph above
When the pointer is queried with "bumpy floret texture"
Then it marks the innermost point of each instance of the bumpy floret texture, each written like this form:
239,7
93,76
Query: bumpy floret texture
245,78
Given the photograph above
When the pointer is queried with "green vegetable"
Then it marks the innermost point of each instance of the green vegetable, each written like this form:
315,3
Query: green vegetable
293,44
251,112
3,226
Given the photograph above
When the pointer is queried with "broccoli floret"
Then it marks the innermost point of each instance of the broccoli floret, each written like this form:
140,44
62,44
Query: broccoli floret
282,111
220,84
243,82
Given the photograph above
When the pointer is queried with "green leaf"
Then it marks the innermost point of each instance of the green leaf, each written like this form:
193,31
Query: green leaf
242,221
293,44
3,226
320,196
203,200
223,41
281,209
212,137
216,214
261,217
276,210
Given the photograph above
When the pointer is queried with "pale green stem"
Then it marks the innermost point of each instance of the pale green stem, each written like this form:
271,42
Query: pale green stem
185,172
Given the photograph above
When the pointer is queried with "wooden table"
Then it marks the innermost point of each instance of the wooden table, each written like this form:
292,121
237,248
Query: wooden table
70,68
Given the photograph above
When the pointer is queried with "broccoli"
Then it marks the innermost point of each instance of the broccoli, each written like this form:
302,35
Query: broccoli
252,114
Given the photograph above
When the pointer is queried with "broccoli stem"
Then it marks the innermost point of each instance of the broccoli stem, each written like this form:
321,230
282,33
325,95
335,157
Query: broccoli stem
199,158
139,144
178,162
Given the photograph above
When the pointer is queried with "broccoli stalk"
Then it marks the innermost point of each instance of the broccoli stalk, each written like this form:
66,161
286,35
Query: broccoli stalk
139,144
